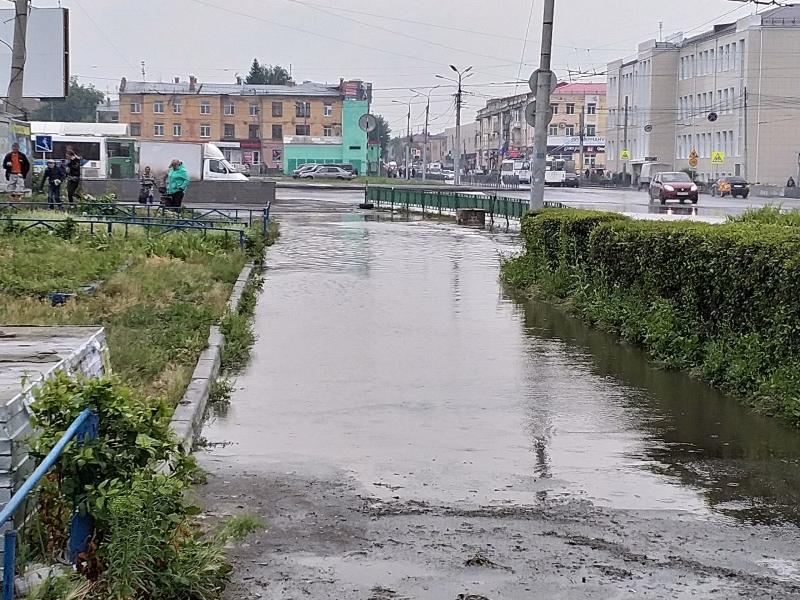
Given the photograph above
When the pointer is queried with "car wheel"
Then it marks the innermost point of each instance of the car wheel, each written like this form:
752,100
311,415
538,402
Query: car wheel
662,199
744,196
694,200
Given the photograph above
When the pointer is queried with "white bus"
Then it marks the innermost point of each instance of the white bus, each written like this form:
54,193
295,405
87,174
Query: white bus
556,172
519,167
92,149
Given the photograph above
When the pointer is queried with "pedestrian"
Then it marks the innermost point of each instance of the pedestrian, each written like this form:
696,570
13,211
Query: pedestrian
147,185
177,182
55,175
17,167
73,175
790,183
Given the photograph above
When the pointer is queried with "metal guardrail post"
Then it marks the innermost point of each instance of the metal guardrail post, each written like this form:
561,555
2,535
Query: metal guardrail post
9,558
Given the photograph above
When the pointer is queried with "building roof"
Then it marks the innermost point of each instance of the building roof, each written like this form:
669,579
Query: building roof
585,89
305,89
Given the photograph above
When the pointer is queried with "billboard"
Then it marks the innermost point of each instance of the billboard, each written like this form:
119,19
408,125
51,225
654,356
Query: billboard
47,62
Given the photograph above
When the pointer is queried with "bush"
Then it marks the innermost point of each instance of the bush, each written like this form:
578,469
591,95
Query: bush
718,299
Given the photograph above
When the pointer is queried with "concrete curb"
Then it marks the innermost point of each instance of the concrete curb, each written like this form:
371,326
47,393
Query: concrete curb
187,420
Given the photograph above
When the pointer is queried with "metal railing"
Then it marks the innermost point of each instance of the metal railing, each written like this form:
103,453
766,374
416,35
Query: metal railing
85,426
492,180
434,200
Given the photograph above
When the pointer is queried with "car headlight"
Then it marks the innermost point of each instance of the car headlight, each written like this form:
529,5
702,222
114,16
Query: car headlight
694,188
669,188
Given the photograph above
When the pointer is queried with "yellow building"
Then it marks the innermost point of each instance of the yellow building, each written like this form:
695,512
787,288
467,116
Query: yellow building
248,122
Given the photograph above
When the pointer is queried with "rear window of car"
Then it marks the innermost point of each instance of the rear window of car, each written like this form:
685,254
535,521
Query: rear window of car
675,178
735,179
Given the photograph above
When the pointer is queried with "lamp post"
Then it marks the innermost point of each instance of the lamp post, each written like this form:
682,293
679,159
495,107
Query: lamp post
427,120
461,76
408,133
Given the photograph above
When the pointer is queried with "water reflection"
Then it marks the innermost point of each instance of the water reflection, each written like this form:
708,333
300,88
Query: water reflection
745,465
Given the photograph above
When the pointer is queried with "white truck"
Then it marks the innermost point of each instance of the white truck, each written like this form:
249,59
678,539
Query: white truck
203,162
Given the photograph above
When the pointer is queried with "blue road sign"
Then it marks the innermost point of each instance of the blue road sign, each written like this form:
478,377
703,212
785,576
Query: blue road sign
44,143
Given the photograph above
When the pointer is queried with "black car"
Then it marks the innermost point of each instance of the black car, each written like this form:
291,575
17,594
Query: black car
731,186
571,180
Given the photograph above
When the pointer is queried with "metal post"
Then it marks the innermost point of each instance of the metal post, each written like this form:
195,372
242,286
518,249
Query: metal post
539,162
408,145
746,157
581,125
625,142
9,558
18,56
457,155
425,145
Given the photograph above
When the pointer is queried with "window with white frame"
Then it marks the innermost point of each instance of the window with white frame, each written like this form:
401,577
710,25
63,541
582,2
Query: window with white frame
327,110
136,108
177,107
158,107
553,130
205,107
591,108
570,109
230,109
158,130
327,131
254,109
591,130
569,130
205,130
177,130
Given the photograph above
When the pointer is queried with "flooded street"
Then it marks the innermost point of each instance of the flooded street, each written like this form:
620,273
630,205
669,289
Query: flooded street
408,429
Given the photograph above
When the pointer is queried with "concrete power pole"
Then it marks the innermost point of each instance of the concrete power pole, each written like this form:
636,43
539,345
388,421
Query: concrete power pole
425,145
18,56
625,142
580,139
539,163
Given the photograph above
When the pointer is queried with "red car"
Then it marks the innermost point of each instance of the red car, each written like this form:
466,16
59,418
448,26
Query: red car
673,186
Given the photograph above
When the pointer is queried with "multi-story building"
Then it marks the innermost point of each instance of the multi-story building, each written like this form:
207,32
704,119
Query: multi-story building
579,116
272,125
728,94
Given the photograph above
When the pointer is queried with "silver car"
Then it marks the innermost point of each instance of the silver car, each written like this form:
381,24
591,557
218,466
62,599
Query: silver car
327,172
304,169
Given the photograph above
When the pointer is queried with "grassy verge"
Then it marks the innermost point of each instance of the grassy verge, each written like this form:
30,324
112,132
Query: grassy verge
157,310
717,300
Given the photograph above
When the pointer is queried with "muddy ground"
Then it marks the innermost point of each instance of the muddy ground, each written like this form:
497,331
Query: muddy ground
326,538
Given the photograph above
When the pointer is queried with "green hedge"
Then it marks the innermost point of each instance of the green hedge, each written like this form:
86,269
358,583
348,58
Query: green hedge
721,300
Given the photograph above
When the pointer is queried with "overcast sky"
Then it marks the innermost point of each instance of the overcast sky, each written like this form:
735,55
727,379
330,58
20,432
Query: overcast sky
397,45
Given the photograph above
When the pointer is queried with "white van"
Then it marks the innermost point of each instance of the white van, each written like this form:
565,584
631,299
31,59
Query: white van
519,167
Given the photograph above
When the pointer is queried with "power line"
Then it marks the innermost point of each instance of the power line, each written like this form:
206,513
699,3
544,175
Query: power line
110,43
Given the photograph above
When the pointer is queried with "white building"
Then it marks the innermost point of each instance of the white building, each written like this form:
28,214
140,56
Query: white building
731,90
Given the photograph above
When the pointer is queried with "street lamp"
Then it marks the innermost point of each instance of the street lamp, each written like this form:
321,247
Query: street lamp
427,119
461,76
408,132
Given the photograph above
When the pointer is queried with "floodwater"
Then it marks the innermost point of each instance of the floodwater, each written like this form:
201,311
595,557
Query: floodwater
389,350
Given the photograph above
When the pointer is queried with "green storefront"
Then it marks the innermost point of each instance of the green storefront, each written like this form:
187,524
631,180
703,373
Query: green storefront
351,148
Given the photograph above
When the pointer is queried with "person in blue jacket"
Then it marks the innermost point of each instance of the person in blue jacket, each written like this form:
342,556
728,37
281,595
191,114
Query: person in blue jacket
177,182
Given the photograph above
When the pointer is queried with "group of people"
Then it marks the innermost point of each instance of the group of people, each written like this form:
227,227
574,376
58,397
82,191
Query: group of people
176,181
17,166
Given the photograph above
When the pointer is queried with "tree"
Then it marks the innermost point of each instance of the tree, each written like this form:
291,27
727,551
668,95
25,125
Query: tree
266,74
381,134
80,105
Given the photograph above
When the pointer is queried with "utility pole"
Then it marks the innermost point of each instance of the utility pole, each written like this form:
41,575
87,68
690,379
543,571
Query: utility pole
539,163
408,144
18,56
625,142
746,156
457,157
425,144
581,125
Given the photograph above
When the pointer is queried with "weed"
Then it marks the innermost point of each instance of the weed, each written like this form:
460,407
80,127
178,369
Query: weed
239,527
237,328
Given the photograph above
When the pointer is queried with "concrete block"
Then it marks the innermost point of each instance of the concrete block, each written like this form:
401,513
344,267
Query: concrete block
215,338
208,368
184,430
473,217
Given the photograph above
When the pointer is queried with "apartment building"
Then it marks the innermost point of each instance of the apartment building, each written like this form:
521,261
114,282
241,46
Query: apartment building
579,114
250,123
726,98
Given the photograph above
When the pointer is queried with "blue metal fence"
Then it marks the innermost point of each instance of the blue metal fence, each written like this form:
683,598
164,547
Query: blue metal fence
84,427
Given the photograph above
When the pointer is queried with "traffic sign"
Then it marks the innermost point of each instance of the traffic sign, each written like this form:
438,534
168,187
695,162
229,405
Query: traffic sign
694,155
712,116
717,158
44,143
624,155
530,114
648,128
368,123
533,82
692,162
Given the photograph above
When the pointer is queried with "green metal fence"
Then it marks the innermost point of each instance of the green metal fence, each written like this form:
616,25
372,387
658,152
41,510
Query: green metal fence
444,201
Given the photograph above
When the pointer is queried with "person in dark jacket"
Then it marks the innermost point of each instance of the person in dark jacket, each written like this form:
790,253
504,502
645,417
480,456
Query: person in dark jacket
73,175
55,175
17,167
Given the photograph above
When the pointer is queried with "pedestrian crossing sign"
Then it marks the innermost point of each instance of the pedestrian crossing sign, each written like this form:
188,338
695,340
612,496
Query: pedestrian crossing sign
717,158
624,155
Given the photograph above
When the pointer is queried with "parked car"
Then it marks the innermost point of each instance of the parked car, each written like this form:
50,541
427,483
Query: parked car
304,169
731,186
242,168
572,180
673,186
327,172
347,167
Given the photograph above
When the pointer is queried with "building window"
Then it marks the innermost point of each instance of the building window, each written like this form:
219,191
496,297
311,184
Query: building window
590,160
553,130
136,108
158,130
570,109
205,130
569,130
205,107
555,108
158,107
327,131
302,129
177,107
277,109
136,129
591,130
254,109
591,109
302,109
327,110
254,133
230,130
230,109
177,130
277,130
